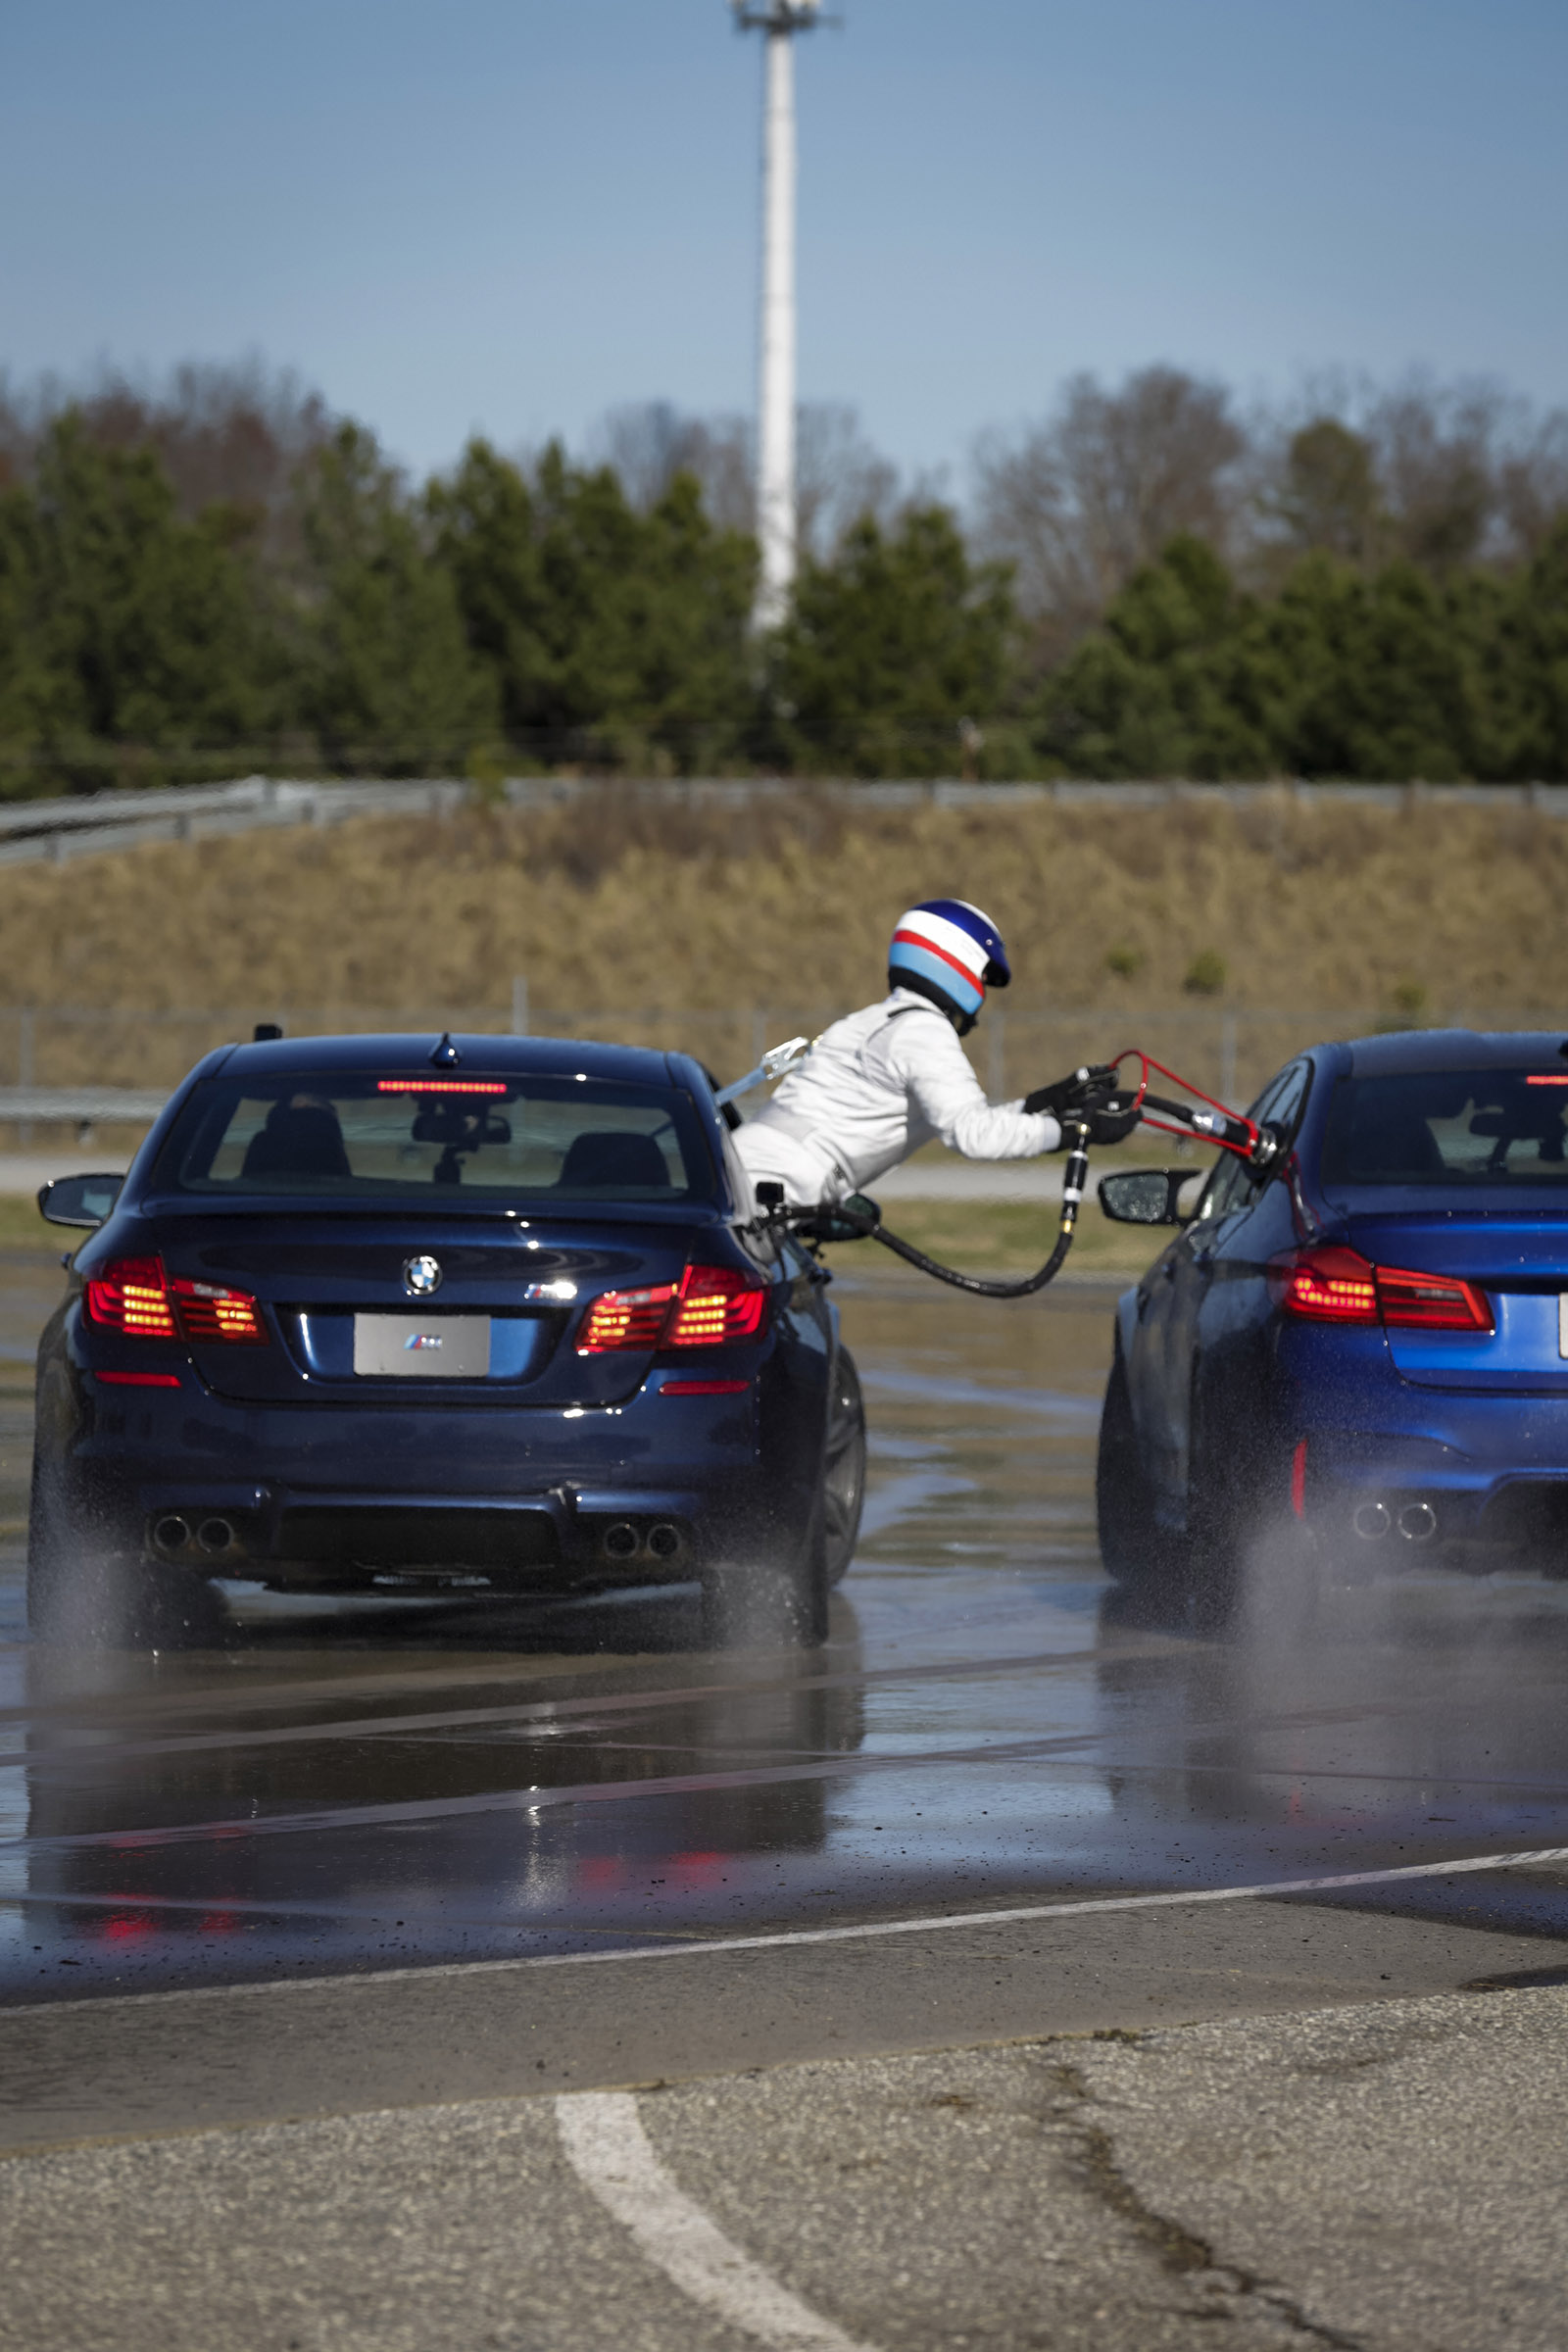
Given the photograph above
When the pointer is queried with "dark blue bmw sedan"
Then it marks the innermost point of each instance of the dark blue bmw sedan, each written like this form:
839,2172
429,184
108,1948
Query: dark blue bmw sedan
1365,1338
464,1313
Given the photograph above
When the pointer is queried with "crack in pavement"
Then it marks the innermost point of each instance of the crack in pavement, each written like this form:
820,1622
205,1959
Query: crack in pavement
1181,2253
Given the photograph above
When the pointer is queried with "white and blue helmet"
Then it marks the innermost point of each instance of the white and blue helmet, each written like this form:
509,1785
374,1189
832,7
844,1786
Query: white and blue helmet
951,952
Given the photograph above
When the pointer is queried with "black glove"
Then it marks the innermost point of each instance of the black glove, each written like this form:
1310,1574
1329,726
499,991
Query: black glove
1109,1117
1109,1113
1067,1093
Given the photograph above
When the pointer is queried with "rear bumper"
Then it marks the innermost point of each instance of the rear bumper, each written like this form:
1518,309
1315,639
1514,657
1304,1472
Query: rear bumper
327,1497
1408,1470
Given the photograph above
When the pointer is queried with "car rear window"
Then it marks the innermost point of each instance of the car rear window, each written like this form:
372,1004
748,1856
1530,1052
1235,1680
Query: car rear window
1480,1127
343,1137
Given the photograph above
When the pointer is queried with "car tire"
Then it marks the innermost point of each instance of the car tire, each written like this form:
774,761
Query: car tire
770,1602
1133,1550
84,1594
844,1467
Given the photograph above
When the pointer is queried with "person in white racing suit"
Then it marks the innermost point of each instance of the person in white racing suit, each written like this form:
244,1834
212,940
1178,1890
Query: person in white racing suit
882,1081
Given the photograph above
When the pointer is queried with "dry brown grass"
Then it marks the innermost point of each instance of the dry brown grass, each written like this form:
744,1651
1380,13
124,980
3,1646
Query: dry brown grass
1420,912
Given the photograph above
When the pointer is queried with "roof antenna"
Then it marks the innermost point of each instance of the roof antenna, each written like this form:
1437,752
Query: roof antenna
446,1056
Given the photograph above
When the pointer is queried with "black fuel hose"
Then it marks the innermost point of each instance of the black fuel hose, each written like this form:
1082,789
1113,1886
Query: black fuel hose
1075,1177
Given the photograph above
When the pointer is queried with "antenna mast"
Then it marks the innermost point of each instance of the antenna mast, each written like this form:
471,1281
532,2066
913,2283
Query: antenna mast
779,20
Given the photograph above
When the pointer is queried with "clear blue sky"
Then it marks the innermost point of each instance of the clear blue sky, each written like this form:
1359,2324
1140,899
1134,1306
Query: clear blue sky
510,214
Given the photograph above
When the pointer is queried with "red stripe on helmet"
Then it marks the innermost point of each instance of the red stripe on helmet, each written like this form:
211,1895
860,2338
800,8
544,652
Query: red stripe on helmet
913,939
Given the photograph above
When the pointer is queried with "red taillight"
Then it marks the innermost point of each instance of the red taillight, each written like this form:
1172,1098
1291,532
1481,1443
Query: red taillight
132,1296
1335,1285
1327,1285
136,1295
715,1304
712,1305
625,1320
1432,1302
209,1311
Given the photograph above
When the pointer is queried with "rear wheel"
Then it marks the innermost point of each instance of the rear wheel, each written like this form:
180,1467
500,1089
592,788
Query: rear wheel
844,1467
1132,1547
85,1595
770,1602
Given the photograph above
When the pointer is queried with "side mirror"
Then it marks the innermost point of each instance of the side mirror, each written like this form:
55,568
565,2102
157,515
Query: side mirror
80,1199
1144,1196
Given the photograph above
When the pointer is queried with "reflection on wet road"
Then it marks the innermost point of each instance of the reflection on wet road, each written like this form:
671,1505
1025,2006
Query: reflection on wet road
330,1788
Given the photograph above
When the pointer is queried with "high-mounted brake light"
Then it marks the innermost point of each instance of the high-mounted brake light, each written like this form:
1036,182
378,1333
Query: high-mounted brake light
136,1295
440,1086
712,1306
1331,1284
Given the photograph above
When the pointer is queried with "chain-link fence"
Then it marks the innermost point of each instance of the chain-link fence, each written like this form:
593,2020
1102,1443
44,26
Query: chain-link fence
48,1055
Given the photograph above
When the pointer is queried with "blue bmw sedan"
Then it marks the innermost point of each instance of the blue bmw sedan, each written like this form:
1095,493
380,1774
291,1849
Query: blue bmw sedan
1365,1337
462,1313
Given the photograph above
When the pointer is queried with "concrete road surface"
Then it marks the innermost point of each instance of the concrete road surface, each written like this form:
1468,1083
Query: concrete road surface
486,1975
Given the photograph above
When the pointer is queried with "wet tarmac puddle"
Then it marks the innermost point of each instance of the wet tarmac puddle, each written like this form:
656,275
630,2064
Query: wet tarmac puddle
390,1783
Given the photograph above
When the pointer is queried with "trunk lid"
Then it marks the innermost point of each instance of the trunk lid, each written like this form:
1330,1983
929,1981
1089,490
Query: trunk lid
1519,1259
318,1277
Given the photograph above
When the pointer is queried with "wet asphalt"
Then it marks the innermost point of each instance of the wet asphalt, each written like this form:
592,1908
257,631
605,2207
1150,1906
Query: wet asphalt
332,1788
393,1784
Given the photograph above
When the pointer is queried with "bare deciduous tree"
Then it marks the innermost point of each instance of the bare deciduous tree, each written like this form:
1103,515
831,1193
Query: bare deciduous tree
839,474
1443,475
1081,501
234,431
649,442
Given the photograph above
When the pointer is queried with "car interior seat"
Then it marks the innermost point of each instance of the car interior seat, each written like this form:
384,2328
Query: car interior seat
614,1156
302,1138
1395,1143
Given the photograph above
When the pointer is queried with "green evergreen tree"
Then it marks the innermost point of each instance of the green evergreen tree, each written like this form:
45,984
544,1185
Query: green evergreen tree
385,675
121,626
893,642
603,627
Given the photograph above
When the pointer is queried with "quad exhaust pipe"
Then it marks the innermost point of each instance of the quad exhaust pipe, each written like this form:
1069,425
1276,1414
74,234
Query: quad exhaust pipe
623,1542
172,1536
1417,1522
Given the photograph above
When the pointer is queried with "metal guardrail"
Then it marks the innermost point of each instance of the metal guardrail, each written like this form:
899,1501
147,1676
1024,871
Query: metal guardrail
83,1105
115,1067
58,830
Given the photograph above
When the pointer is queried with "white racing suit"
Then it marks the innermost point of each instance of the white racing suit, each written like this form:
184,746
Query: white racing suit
873,1089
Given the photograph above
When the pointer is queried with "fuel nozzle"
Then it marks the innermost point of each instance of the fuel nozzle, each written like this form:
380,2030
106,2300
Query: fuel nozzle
1258,1145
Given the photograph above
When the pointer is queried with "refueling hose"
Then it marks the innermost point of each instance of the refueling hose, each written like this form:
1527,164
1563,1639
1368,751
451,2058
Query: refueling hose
858,1218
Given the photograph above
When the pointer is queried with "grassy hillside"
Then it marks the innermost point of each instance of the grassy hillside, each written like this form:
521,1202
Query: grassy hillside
1193,909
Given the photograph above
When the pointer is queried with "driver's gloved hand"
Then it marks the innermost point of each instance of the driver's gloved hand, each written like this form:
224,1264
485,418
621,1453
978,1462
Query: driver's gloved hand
1070,1092
1109,1117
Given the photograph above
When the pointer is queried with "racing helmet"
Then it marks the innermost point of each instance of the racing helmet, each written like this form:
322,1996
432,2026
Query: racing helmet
949,951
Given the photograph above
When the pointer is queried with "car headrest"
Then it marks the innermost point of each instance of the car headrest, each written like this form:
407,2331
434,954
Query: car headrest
300,1139
614,1156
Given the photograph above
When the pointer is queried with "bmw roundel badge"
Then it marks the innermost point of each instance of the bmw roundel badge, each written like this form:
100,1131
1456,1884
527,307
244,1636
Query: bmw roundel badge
422,1275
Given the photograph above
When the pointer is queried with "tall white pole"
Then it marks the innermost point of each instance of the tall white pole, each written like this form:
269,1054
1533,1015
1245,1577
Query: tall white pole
775,422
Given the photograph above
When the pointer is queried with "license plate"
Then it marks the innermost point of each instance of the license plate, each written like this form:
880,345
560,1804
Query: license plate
421,1347
1562,1322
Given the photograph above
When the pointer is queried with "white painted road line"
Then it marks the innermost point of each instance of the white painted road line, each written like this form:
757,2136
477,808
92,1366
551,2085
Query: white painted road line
1037,1915
1041,1915
610,2154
